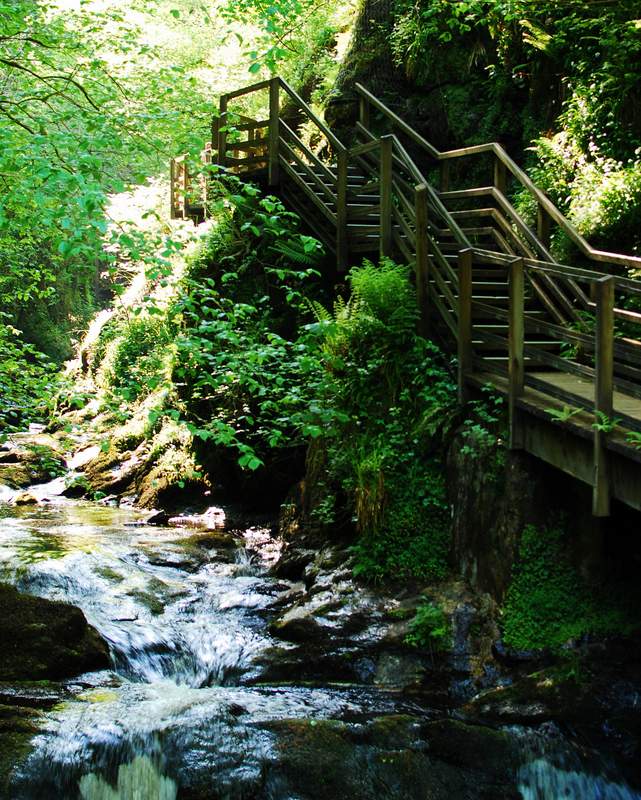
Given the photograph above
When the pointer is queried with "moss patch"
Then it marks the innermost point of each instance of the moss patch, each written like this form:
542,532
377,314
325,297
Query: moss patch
548,603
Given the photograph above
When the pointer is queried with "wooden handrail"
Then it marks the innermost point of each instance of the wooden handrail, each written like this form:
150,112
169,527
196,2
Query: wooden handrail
331,137
505,159
407,129
512,310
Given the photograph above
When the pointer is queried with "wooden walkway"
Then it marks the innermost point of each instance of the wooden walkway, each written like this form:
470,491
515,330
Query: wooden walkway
562,343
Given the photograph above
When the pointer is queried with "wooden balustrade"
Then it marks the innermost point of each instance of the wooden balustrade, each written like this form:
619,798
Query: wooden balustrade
527,339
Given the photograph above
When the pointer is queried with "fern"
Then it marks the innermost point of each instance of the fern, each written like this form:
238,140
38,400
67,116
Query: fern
298,251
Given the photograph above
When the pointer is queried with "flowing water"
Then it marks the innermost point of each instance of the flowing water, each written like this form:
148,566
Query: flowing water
183,706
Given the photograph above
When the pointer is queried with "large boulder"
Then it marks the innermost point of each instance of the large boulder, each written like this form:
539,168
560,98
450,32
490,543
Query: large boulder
42,639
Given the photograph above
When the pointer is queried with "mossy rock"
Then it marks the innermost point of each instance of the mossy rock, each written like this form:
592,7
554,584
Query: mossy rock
386,758
558,693
26,460
43,639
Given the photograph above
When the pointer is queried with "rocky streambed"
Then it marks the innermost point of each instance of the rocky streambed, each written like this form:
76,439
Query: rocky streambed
201,660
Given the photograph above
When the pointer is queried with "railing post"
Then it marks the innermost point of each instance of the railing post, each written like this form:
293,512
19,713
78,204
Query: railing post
364,112
173,212
516,336
274,133
543,226
342,244
422,258
464,320
385,191
603,392
222,132
500,175
444,181
185,188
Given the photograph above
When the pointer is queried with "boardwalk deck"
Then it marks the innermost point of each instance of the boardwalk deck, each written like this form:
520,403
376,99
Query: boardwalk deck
547,335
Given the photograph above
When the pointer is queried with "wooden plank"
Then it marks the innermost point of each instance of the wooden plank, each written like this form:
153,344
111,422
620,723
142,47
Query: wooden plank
249,144
500,176
543,226
257,125
464,320
254,87
444,177
515,350
603,393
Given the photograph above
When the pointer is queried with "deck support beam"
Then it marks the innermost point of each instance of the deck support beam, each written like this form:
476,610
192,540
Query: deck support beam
516,336
603,393
385,179
464,321
342,246
222,131
274,132
422,266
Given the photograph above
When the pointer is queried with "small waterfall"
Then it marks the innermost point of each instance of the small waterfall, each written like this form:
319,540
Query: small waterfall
553,770
541,780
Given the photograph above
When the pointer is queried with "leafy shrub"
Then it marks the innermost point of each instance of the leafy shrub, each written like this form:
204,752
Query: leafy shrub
26,380
390,393
430,628
136,356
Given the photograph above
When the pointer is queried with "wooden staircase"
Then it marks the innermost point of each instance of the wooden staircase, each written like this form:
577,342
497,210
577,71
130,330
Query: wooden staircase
562,343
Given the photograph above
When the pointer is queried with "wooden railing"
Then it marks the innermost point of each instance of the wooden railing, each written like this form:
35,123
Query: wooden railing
563,343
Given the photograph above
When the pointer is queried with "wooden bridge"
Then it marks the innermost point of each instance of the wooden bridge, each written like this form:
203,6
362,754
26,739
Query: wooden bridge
562,343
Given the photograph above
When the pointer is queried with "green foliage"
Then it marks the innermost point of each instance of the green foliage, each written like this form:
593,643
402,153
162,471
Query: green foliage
137,359
512,61
547,603
391,396
243,381
26,380
564,414
430,628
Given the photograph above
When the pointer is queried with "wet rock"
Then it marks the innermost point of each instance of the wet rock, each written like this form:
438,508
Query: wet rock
43,639
212,519
209,541
30,694
292,563
158,518
26,459
400,671
515,658
18,724
472,747
298,624
24,499
385,758
553,694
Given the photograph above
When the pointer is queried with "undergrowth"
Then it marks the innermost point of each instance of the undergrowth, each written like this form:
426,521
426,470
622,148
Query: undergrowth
548,603
392,397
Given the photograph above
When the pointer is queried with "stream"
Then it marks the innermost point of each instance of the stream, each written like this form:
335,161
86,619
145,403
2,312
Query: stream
184,712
